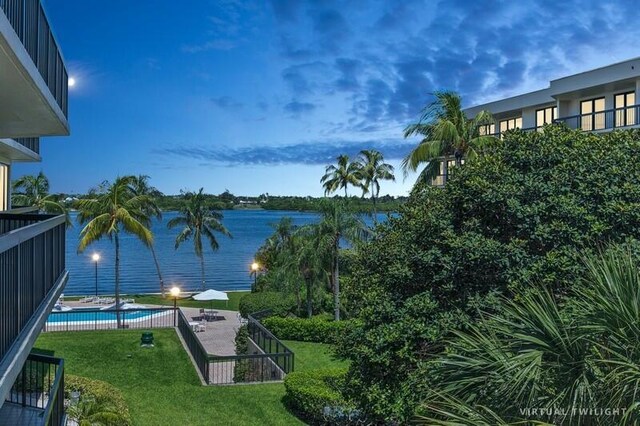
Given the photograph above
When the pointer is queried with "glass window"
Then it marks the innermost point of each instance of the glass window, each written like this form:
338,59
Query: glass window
487,129
545,116
592,114
625,112
511,123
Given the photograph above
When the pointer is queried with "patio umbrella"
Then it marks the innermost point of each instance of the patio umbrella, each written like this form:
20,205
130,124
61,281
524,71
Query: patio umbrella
211,295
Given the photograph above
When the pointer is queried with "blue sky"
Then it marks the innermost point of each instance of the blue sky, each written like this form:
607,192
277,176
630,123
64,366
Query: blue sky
259,96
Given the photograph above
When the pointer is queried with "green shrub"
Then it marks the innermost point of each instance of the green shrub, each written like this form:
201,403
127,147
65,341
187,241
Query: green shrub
316,397
242,347
317,329
279,304
100,402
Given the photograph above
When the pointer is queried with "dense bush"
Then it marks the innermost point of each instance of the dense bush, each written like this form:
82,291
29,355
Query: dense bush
517,215
100,402
242,348
316,397
317,329
279,304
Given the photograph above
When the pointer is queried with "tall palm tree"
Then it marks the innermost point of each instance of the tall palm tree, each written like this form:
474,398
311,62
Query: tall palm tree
338,223
373,169
339,176
198,220
33,191
116,209
446,131
141,186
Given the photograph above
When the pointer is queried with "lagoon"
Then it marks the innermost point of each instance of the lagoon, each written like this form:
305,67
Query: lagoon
227,269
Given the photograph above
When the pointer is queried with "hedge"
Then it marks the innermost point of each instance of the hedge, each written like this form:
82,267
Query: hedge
315,396
318,330
98,401
279,304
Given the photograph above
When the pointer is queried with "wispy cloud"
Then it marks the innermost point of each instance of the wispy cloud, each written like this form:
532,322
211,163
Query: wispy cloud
311,153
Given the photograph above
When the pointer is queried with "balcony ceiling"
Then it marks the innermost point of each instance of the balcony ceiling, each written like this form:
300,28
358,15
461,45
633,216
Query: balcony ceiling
27,108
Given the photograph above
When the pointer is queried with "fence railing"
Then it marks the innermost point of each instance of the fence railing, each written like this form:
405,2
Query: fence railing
604,120
86,319
40,385
32,256
271,360
30,143
29,21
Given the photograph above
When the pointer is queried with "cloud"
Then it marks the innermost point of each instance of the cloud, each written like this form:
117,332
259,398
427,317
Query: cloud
312,153
210,45
227,102
296,108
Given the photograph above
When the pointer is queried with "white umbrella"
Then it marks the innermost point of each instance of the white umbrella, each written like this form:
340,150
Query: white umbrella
211,295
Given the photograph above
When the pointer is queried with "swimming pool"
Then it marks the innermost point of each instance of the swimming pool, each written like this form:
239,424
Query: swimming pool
82,315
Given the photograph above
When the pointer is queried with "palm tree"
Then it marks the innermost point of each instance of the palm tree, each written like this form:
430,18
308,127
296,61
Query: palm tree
34,192
116,209
338,223
336,177
445,131
198,220
373,169
141,187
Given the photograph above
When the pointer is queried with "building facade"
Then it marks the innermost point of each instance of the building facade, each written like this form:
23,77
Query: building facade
599,100
33,103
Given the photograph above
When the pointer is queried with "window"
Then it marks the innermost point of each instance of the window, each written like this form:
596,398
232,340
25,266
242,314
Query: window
4,187
625,113
511,123
592,114
487,129
545,116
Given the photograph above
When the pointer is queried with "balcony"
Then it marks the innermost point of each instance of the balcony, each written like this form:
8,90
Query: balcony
32,276
34,77
37,396
610,119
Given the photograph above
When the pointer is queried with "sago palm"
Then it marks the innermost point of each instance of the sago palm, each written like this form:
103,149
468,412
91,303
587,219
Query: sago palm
445,131
372,170
141,187
198,222
33,191
341,175
117,209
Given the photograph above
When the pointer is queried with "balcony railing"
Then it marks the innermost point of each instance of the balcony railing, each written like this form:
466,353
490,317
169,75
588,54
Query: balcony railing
32,260
40,388
29,21
30,143
604,120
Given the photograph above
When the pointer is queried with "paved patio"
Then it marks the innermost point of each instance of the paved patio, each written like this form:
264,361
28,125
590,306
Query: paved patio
220,335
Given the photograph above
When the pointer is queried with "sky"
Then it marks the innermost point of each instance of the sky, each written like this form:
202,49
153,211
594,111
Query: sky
259,96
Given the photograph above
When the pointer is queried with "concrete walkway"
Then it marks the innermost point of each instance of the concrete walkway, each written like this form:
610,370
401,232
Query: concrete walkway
220,335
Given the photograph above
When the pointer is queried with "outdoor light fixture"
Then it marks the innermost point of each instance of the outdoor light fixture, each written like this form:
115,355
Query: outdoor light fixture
175,292
255,266
96,258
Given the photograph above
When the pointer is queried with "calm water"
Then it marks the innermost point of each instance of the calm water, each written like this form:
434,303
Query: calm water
226,269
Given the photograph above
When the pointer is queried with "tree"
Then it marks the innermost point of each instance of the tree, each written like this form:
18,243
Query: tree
33,191
446,131
373,169
141,187
116,209
337,223
198,221
340,176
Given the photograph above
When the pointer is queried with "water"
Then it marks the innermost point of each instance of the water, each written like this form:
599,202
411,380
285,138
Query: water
79,316
225,269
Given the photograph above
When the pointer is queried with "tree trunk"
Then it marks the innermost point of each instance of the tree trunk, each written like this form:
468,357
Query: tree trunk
345,192
375,210
309,298
202,271
155,260
117,241
336,284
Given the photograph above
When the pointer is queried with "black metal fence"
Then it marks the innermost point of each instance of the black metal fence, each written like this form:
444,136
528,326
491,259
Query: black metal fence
98,319
270,359
32,262
40,385
604,120
29,21
31,143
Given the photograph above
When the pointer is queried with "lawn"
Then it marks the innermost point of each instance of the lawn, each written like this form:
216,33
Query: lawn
161,385
156,299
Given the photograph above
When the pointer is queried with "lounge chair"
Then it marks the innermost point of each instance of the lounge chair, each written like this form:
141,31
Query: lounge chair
87,299
202,326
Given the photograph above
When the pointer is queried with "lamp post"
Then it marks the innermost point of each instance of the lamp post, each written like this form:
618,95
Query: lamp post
96,258
255,266
175,292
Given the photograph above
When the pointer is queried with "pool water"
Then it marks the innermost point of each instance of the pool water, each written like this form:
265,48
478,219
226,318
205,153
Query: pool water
78,316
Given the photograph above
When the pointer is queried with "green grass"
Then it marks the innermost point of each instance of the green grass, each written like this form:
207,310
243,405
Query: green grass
156,299
313,356
161,385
